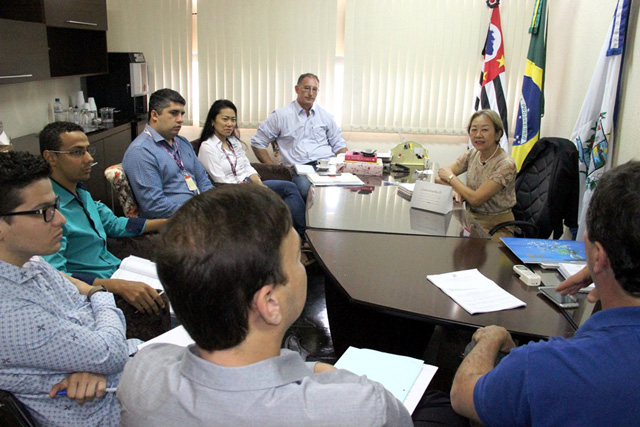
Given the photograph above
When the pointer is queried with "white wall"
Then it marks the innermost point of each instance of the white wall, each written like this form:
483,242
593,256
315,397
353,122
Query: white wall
26,107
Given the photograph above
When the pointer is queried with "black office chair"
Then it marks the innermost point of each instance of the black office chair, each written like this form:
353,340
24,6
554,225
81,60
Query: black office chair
12,412
547,190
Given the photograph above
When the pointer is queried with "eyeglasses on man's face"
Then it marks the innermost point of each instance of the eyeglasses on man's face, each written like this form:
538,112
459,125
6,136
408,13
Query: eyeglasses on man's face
309,89
48,212
78,152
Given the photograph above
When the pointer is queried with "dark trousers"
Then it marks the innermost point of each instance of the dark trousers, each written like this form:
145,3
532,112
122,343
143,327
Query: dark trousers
435,409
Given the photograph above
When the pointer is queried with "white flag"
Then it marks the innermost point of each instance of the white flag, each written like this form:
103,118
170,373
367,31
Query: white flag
594,129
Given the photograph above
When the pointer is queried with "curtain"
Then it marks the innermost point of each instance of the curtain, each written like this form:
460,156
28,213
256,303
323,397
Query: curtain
162,30
413,65
252,52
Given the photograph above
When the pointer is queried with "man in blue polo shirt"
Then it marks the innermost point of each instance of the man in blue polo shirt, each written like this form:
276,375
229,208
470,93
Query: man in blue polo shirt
162,168
83,252
592,378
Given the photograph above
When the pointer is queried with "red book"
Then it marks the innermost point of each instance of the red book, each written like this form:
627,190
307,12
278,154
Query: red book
356,156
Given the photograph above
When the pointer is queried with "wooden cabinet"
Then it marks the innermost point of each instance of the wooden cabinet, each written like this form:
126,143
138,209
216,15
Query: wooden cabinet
40,39
77,52
24,51
77,14
22,10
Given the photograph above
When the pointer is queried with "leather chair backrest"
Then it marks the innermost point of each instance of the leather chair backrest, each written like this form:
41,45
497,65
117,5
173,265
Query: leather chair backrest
547,187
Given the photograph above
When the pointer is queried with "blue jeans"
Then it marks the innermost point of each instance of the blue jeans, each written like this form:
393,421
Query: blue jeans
288,191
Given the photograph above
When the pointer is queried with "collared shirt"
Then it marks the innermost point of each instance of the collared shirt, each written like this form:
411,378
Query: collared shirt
83,252
48,331
158,183
301,138
590,379
170,385
221,164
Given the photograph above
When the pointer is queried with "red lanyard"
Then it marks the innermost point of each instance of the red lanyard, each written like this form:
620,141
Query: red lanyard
233,165
166,146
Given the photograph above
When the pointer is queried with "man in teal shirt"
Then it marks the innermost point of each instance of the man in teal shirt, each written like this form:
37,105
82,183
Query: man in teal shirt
83,252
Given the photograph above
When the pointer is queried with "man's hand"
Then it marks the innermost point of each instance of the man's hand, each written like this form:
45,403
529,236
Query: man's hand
83,287
81,386
574,283
489,341
495,334
140,295
320,367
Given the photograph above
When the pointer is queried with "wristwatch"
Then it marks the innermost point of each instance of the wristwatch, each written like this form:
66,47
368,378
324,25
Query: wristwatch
453,175
95,289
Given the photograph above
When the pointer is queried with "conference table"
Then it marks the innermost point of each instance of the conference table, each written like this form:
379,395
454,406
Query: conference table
376,252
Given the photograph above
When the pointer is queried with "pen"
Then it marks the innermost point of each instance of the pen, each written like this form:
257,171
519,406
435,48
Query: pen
108,390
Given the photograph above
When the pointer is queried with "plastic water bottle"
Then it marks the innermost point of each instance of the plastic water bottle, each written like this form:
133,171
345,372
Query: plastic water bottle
4,138
58,112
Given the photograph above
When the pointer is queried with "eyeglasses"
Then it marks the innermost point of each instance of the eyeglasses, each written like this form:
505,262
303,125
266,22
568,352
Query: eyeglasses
309,89
47,212
78,152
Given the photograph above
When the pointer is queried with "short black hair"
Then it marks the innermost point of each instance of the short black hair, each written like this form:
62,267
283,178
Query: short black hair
613,220
161,99
50,135
18,169
304,76
217,251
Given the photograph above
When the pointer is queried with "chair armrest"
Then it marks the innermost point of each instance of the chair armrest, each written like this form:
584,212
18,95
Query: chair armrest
531,227
269,172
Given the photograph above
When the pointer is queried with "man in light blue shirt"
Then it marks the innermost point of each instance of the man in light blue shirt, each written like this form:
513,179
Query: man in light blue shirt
83,252
56,333
162,168
304,132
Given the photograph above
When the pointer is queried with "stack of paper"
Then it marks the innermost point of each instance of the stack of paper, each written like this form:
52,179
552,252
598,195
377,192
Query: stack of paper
405,377
304,169
475,292
326,180
406,190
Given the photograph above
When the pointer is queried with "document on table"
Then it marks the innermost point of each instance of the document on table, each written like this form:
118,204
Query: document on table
475,292
405,377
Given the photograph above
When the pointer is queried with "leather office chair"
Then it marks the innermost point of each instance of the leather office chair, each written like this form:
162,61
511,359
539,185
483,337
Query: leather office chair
120,185
13,413
547,190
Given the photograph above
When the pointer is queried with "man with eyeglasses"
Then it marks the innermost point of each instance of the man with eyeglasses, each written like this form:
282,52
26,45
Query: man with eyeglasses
304,132
56,333
83,252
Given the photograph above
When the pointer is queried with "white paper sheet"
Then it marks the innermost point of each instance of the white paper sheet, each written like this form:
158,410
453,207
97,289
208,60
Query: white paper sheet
475,292
178,336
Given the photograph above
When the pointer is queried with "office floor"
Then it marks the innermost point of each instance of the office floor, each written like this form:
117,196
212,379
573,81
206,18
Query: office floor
311,335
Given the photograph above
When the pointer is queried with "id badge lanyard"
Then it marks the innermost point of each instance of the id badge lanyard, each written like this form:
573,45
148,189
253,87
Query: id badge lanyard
177,157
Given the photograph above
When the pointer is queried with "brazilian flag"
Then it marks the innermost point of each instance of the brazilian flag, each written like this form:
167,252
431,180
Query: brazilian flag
531,108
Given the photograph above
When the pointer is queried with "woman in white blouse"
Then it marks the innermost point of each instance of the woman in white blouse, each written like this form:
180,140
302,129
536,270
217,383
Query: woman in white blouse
222,154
